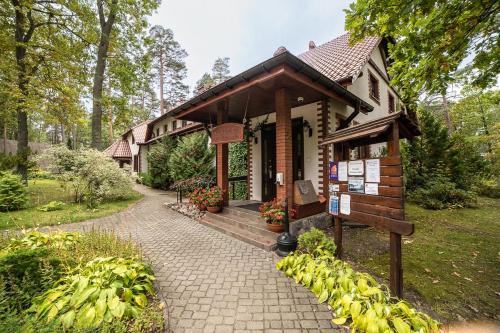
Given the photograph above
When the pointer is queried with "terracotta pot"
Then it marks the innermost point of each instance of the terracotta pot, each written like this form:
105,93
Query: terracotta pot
214,209
201,207
275,227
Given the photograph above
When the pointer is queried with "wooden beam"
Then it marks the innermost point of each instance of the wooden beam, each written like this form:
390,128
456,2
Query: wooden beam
396,265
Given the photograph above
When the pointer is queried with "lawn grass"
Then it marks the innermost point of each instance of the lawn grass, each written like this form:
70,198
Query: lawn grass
451,261
43,191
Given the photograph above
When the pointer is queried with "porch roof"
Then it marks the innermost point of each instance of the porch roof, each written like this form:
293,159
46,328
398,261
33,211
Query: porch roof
251,93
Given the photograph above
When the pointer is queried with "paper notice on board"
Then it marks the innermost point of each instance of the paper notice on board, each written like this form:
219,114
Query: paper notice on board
373,171
356,168
342,172
371,188
333,188
345,204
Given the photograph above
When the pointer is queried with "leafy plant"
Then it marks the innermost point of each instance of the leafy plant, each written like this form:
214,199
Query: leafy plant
52,206
193,157
158,167
238,167
12,192
35,240
353,296
214,196
105,289
274,212
441,194
315,240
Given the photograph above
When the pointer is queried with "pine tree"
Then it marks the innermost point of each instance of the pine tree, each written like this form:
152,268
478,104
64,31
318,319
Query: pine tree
170,68
220,70
192,157
203,84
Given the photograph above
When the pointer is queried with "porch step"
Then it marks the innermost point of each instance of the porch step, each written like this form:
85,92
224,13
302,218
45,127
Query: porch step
251,232
245,213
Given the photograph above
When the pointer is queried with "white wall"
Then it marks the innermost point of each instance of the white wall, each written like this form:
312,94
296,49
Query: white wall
144,157
307,112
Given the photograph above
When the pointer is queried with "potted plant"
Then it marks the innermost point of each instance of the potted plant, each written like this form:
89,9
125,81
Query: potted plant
198,198
274,214
214,199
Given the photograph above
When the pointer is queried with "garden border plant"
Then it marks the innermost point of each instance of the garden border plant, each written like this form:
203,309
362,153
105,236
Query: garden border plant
354,297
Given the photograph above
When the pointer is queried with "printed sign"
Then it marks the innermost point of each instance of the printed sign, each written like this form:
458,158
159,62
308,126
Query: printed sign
334,175
371,188
332,188
334,205
342,171
373,170
356,184
356,168
345,204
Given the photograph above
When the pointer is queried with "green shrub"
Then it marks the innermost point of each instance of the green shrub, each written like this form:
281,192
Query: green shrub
35,240
25,273
158,165
12,192
105,289
353,296
441,194
193,157
489,188
315,240
52,206
8,161
40,174
145,178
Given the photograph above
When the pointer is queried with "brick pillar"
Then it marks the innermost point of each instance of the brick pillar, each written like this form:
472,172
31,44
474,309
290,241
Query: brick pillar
284,144
223,156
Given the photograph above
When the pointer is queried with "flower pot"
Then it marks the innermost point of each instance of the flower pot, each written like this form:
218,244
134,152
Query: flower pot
214,209
201,207
275,227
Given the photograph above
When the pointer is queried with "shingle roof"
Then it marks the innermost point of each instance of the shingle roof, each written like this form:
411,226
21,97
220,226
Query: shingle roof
119,149
337,60
139,132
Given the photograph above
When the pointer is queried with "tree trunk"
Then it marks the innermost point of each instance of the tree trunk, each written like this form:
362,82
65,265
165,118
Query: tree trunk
63,135
447,118
102,54
110,125
485,124
162,105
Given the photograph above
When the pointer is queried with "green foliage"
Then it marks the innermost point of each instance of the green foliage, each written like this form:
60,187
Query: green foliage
52,206
439,170
489,188
7,161
158,163
353,296
105,289
145,178
238,167
12,192
35,240
314,240
25,273
432,39
192,157
92,176
440,193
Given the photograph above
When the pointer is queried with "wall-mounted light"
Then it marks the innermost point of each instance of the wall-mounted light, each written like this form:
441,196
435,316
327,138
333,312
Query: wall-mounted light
300,99
308,126
256,140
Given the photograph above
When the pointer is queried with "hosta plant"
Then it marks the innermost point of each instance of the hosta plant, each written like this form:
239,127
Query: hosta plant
52,206
355,298
105,289
35,240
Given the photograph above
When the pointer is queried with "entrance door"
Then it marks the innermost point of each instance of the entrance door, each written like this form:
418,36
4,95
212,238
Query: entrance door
268,146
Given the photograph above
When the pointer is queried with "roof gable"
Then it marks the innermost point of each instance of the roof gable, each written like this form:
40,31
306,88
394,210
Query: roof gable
119,149
339,61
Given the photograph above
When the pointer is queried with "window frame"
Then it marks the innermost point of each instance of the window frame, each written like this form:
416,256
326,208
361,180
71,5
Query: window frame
174,125
372,78
393,104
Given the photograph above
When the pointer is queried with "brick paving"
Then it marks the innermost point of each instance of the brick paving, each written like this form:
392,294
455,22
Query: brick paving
210,281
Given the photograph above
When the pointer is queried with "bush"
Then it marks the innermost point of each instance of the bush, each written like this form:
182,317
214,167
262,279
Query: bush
158,165
52,206
92,176
25,273
192,157
12,192
311,241
145,178
8,161
441,194
489,188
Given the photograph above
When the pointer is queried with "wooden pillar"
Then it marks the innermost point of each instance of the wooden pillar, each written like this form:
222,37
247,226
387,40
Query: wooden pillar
222,163
339,155
284,144
396,263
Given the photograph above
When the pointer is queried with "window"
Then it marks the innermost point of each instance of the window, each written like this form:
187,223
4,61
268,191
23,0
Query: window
157,131
165,128
174,125
184,123
392,105
133,139
136,163
373,87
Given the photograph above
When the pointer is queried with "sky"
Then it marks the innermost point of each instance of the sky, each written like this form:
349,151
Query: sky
247,31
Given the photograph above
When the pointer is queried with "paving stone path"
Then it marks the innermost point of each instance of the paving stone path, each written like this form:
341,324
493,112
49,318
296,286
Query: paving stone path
210,281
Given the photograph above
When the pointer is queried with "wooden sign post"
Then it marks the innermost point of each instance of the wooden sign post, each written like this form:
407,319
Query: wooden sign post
370,190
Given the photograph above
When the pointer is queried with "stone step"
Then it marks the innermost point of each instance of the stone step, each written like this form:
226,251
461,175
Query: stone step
245,213
230,219
264,242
